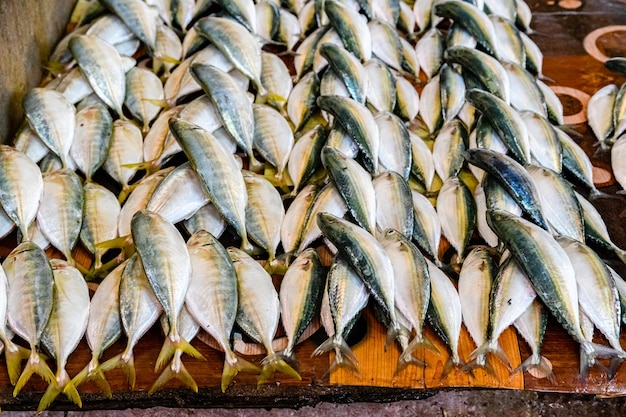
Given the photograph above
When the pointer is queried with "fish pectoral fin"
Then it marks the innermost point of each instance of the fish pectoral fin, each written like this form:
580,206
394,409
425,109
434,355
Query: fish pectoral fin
14,357
176,370
36,365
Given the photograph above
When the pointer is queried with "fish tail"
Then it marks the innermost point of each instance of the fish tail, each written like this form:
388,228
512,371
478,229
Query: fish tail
480,361
232,366
275,363
49,396
36,365
454,362
539,363
487,348
406,359
14,354
93,372
71,392
344,357
169,349
621,253
596,194
126,361
176,369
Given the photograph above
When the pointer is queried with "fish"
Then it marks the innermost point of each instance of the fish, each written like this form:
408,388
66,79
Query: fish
348,68
60,211
448,148
237,44
396,154
476,281
165,259
53,118
139,310
506,122
101,65
531,325
125,152
218,171
359,123
412,290
369,260
407,99
143,90
426,226
65,328
264,213
300,296
456,210
347,297
305,157
231,101
600,114
104,327
30,301
21,187
212,298
273,137
258,311
94,126
351,27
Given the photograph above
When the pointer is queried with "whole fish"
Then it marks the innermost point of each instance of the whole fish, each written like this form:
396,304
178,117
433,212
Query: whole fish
65,328
31,297
167,265
456,210
347,296
369,260
412,289
300,296
139,310
264,213
102,66
140,18
53,118
21,187
104,327
61,210
218,171
92,137
212,298
258,311
394,204
531,325
13,353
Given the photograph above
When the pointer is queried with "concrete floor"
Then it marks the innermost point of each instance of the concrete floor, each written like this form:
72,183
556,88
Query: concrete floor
444,404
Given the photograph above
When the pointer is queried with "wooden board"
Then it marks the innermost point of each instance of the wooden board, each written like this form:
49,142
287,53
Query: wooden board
560,33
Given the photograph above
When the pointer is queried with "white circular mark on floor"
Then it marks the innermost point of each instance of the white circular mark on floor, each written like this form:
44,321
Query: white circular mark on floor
582,97
590,41
539,373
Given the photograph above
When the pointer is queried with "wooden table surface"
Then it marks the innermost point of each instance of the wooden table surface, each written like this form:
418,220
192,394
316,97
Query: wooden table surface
562,28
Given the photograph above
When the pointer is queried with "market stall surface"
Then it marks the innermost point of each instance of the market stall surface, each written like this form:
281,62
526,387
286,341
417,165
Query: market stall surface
575,37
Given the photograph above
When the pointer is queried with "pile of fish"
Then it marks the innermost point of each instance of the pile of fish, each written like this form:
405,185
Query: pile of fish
173,132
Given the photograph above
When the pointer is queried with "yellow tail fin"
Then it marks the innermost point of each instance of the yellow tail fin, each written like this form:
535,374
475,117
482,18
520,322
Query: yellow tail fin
231,370
36,365
177,370
62,383
14,354
272,364
170,347
126,361
93,372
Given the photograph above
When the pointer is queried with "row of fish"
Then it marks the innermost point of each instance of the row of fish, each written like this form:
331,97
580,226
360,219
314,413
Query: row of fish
347,151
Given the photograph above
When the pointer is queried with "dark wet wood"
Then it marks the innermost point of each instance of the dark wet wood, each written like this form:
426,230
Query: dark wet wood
560,36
